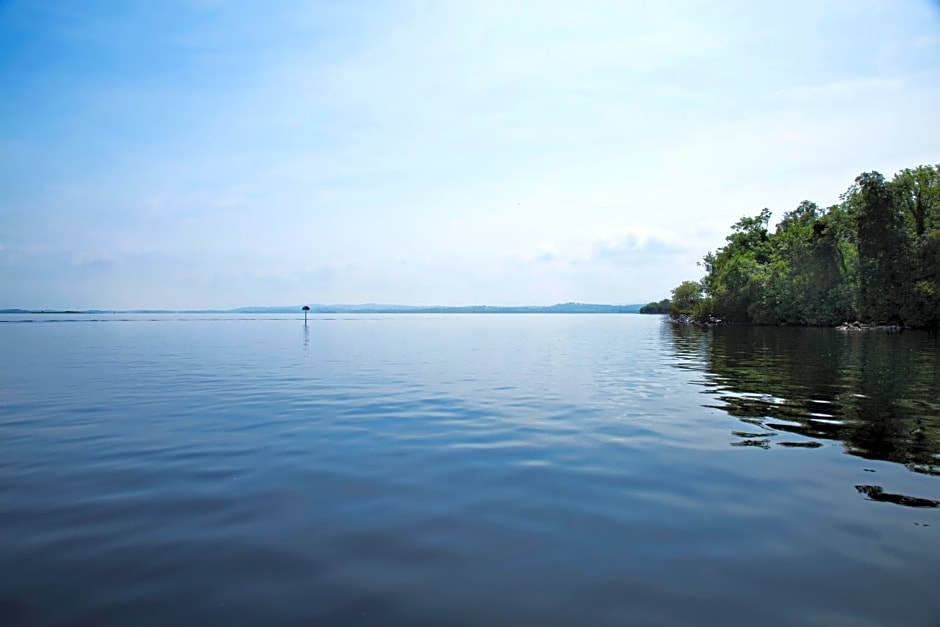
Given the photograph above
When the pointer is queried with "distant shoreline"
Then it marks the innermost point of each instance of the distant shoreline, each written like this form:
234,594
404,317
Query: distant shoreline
567,308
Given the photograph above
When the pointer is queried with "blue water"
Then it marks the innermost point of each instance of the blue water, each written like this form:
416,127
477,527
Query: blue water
464,470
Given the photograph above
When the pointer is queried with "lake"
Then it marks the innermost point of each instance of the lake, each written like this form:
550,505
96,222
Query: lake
465,470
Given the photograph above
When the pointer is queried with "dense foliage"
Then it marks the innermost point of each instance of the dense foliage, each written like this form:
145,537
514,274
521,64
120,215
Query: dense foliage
662,307
874,257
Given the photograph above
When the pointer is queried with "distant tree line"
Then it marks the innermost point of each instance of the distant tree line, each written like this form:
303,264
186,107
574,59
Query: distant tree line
873,257
662,307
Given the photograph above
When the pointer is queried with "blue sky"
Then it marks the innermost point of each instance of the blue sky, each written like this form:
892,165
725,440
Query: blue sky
208,153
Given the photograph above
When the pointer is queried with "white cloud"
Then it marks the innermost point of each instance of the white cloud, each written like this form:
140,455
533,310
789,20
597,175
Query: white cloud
853,87
547,251
635,244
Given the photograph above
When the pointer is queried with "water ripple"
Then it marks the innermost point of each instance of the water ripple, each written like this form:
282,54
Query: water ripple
498,470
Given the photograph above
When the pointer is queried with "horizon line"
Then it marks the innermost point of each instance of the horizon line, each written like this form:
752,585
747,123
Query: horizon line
299,307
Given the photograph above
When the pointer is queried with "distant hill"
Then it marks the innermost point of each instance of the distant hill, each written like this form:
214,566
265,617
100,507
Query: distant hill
370,308
376,308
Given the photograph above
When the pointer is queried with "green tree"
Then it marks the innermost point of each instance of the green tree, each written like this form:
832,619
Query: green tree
738,272
882,250
918,192
808,270
874,256
685,299
662,307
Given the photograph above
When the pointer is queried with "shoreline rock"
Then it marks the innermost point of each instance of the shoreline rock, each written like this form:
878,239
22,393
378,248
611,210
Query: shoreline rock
858,326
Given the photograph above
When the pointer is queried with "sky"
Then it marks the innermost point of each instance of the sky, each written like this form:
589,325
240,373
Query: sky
213,153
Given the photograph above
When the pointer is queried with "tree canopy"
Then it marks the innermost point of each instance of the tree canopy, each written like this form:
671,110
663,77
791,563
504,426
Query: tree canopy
662,307
874,257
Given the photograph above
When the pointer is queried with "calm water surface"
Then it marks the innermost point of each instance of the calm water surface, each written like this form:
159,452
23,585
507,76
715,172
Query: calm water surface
465,470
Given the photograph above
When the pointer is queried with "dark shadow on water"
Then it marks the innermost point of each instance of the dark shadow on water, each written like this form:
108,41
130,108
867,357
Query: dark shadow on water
765,444
810,444
875,393
15,612
877,493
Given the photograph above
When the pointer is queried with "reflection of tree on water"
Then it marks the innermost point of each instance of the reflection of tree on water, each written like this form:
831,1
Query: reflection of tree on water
877,393
877,493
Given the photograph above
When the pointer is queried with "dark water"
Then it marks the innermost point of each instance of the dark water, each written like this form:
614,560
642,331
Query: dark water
465,470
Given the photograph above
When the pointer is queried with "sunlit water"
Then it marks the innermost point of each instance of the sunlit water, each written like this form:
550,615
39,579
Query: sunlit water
465,470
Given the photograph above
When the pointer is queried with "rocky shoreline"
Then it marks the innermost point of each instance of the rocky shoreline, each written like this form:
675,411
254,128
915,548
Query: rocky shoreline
858,326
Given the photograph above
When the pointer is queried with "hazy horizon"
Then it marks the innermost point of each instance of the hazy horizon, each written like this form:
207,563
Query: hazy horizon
297,307
206,153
